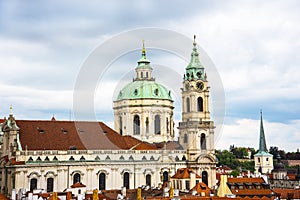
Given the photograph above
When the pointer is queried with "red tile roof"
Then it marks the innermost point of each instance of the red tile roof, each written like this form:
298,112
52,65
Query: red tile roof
200,188
245,180
63,135
245,191
78,185
184,173
285,193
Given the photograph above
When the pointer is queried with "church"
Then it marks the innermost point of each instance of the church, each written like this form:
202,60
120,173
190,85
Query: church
141,149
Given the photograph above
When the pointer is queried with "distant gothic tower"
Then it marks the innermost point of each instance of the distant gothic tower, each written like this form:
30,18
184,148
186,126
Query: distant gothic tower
144,108
196,131
263,159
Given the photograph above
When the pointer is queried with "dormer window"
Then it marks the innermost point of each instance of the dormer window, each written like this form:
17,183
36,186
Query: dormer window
40,130
64,131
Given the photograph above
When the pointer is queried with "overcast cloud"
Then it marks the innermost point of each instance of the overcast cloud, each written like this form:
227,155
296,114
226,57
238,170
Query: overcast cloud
254,45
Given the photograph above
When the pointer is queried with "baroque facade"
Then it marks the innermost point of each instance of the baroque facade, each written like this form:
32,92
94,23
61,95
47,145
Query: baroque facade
53,155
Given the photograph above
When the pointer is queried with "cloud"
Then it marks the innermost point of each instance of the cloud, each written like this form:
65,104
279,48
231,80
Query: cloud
253,44
245,133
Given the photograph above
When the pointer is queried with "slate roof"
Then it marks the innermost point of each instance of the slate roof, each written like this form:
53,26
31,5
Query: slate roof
65,135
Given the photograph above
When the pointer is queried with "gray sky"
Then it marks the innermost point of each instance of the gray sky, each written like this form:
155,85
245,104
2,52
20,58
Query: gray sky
254,45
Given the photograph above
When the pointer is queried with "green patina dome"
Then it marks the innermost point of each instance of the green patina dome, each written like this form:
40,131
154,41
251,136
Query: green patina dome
144,90
144,85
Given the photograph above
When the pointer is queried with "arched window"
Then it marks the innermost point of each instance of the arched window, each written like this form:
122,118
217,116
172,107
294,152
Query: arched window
203,141
102,181
136,125
185,138
157,124
126,180
147,125
167,125
205,177
165,177
50,182
188,108
33,184
120,125
148,179
76,178
200,104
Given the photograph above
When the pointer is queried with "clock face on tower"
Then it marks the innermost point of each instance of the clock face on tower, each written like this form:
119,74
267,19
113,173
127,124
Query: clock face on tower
199,85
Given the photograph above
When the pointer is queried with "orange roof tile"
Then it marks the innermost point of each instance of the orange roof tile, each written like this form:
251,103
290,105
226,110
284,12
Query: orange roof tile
245,180
184,173
78,185
283,193
63,135
201,187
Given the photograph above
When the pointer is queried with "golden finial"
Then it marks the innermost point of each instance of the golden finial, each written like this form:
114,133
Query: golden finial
10,110
143,49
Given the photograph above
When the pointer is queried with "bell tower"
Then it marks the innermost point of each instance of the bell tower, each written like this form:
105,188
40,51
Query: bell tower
196,131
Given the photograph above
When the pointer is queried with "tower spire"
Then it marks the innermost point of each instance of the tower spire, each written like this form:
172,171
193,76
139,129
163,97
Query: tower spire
143,49
262,138
195,69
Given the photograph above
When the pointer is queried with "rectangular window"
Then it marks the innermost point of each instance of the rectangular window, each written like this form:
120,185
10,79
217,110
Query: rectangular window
187,185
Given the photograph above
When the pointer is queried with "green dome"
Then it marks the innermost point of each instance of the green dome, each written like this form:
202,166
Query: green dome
144,89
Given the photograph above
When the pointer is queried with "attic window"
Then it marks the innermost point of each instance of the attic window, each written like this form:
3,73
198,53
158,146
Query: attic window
30,159
97,158
130,158
40,130
80,130
72,148
55,158
156,91
82,158
71,158
135,92
64,131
